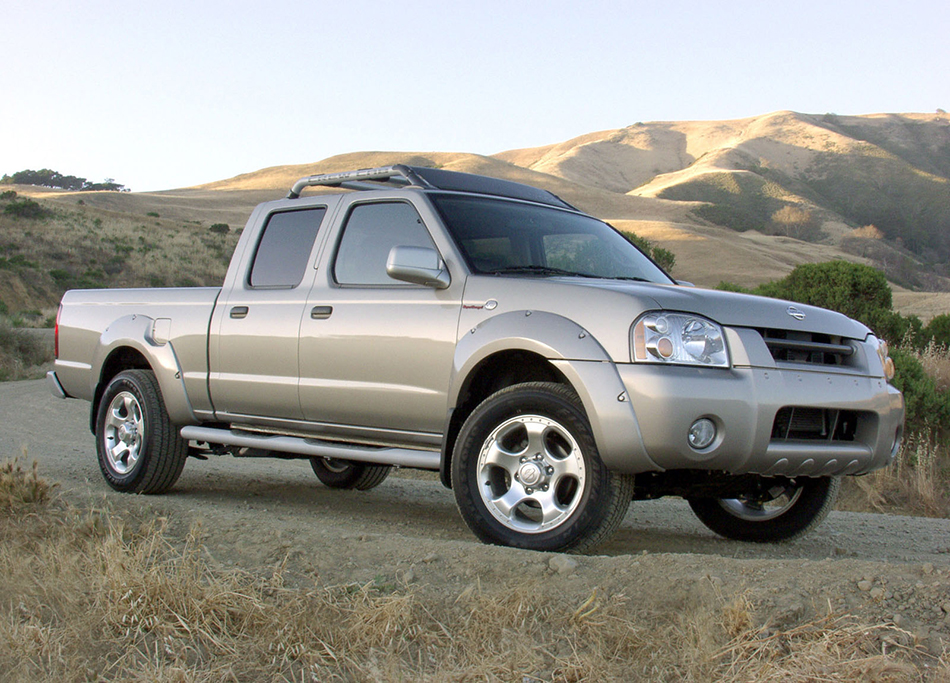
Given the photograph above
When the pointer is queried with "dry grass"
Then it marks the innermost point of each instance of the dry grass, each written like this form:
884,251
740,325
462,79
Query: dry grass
21,489
24,354
84,598
916,484
936,361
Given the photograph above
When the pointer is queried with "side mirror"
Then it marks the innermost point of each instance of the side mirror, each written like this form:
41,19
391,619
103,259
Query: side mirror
419,266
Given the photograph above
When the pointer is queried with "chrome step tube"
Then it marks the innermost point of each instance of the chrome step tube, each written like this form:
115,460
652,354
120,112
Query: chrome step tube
403,457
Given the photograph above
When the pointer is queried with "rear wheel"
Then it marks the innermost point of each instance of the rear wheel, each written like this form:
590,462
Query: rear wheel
783,510
348,474
139,449
526,472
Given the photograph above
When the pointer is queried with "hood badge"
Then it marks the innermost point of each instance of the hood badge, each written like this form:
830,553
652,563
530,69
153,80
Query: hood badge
795,312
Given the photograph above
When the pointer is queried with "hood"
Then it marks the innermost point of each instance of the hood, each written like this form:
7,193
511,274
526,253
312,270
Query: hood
745,310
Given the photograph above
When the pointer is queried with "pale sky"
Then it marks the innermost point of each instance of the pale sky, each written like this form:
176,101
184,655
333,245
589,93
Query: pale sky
159,95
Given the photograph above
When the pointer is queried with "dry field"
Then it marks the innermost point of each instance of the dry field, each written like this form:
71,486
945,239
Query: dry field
95,594
250,570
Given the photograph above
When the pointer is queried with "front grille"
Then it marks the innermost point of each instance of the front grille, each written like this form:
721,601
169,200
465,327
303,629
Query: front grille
796,423
807,347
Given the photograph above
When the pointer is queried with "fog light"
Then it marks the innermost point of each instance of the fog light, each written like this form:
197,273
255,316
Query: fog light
702,433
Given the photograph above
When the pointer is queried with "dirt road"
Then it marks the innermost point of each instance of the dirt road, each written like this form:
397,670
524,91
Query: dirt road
257,513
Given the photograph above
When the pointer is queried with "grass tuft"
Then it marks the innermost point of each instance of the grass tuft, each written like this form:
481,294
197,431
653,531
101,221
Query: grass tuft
20,489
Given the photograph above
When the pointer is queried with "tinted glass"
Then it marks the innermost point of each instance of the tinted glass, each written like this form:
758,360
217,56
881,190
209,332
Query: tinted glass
284,250
505,238
371,231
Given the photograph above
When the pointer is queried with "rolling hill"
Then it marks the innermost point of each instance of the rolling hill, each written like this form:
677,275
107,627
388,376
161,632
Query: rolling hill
744,201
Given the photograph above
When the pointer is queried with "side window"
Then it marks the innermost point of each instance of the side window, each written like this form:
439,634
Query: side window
284,249
371,231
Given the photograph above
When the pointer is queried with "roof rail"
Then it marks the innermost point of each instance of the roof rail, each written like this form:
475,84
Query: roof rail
355,180
430,179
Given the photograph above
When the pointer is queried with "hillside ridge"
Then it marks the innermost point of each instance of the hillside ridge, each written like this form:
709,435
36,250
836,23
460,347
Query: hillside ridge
742,200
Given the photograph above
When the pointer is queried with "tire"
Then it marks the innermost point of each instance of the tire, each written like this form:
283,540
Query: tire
526,472
787,510
348,474
139,449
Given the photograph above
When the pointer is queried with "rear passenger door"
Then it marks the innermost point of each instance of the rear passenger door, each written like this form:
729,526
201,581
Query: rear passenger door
253,347
376,353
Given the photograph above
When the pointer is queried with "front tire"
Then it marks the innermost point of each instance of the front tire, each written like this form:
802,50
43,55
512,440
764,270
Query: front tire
348,474
785,509
526,472
139,449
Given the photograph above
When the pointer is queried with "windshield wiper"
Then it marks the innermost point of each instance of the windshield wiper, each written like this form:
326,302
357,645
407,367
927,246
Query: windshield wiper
539,270
630,277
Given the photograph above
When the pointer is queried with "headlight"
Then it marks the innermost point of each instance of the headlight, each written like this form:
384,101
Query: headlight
886,362
679,338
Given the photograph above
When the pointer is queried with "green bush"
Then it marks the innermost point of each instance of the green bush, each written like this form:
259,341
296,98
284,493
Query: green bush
664,258
938,330
732,287
220,228
25,208
858,291
927,408
7,195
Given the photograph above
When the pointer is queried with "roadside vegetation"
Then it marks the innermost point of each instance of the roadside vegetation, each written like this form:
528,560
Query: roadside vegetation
90,594
24,353
48,247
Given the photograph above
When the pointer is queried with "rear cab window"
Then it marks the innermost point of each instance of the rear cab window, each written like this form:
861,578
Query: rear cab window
284,248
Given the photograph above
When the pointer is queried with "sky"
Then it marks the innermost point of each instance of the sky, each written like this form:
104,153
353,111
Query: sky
160,95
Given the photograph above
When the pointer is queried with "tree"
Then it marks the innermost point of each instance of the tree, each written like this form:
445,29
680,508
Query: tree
46,177
796,222
664,258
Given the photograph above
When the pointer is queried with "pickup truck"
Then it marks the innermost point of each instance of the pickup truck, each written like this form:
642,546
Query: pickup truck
487,330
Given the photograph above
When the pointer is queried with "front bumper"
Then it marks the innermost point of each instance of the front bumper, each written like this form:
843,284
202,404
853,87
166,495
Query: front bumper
743,404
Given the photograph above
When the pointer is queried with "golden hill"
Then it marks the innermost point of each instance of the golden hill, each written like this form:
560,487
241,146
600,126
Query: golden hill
723,196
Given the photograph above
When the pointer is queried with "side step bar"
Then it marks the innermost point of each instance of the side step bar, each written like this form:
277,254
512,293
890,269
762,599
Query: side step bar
403,457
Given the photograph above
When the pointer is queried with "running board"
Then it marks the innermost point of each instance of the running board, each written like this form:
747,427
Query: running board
403,457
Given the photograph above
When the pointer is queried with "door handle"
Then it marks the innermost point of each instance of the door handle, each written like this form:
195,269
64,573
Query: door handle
239,312
321,312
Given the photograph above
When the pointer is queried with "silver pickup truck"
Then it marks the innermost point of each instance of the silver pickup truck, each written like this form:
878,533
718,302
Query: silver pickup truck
548,369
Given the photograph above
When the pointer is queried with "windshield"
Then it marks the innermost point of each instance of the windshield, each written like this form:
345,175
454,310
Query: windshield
499,237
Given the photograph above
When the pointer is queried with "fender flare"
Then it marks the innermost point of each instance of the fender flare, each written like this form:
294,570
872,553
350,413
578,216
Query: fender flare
580,358
138,332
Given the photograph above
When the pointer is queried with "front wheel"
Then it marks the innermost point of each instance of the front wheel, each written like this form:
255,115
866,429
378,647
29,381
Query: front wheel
526,472
139,449
782,510
349,474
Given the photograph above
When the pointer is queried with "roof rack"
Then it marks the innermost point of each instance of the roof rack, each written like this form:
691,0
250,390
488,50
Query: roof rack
428,178
356,180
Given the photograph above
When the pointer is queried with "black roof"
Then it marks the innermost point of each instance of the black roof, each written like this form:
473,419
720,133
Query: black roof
430,179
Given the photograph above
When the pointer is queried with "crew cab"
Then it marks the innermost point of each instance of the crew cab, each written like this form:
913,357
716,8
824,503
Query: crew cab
546,367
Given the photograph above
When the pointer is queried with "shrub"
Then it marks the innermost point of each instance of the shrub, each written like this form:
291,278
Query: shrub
7,195
664,258
153,214
732,287
25,208
21,352
927,407
858,291
220,228
938,330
